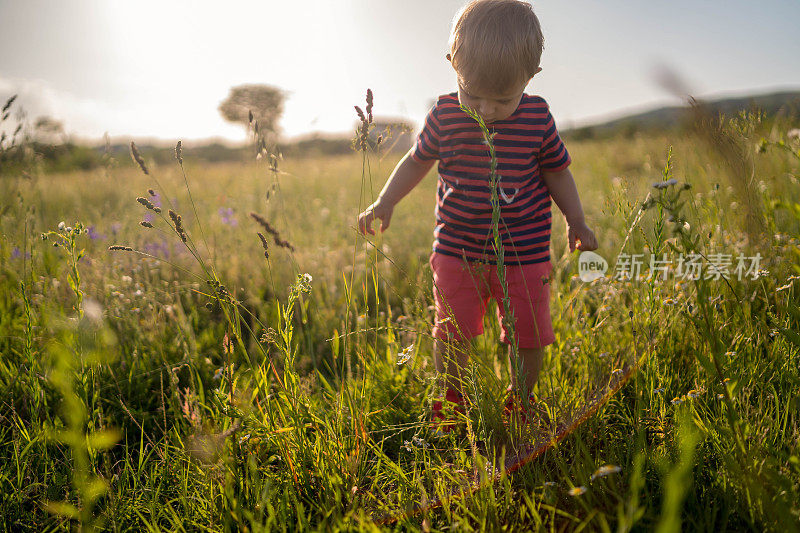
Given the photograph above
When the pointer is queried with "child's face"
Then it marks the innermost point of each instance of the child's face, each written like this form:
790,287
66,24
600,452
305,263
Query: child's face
491,106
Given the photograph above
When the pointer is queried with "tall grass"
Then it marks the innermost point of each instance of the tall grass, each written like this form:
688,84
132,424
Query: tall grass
204,378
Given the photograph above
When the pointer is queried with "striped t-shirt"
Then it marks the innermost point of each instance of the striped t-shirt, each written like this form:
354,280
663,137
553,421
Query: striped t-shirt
526,143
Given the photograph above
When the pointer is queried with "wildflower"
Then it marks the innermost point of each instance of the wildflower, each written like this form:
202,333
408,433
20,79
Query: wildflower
227,216
418,442
730,354
61,226
303,283
577,491
93,234
616,372
605,470
405,355
659,390
676,401
665,184
670,302
549,483
720,396
793,134
694,393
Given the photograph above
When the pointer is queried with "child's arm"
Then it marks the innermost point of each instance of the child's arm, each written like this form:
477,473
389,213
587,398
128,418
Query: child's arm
406,175
565,195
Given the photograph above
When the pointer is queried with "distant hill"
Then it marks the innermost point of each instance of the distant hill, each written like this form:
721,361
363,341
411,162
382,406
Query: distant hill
668,118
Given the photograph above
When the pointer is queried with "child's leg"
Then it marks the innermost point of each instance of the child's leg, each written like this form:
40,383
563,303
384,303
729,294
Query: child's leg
460,306
530,360
450,359
529,295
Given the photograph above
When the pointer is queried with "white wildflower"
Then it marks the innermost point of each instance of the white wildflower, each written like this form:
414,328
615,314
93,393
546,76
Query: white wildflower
577,491
606,470
405,355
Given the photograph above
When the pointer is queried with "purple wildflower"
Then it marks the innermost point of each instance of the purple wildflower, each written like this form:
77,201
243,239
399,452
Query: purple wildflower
158,249
16,253
94,234
227,216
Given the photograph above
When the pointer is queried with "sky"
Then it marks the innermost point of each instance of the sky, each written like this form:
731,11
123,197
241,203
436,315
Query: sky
159,69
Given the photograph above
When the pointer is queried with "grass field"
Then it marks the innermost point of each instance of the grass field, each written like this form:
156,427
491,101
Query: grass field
200,385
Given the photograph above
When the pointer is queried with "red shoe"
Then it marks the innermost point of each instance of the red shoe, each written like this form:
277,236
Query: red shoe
445,414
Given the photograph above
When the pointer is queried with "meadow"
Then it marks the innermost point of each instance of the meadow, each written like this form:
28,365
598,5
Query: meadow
198,376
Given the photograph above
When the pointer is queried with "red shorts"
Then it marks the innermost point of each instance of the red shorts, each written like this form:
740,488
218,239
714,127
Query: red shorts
462,291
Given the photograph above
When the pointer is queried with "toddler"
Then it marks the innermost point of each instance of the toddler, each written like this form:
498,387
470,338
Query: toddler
495,47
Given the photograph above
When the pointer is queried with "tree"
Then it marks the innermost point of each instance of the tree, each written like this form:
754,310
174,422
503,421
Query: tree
264,102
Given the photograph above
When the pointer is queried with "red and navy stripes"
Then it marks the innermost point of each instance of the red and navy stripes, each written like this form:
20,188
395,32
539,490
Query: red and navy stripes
526,143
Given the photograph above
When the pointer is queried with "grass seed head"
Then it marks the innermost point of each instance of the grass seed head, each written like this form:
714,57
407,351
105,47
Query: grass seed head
360,114
178,155
369,105
145,202
137,157
120,247
8,104
264,244
276,237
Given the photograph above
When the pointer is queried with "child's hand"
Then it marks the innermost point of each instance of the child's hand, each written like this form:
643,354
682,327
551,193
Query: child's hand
581,233
376,210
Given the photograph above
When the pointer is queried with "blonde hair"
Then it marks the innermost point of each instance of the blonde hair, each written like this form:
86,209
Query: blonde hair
495,44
